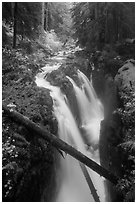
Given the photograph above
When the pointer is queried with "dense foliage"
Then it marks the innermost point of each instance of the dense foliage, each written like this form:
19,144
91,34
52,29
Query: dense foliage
99,23
27,14
26,19
27,161
127,114
59,17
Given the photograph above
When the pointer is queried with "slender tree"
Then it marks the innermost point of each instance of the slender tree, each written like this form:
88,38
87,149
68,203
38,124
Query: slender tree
15,24
42,16
107,22
46,20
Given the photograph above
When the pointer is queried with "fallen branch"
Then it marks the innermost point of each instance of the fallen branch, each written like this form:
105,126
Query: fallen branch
90,183
58,143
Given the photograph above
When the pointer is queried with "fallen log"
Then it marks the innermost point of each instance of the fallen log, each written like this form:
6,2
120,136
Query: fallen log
60,144
89,182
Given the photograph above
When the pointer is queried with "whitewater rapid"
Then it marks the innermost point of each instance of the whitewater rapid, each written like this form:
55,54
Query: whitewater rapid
83,137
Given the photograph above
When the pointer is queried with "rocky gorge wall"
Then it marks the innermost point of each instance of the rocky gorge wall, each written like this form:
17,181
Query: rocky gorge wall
117,130
114,82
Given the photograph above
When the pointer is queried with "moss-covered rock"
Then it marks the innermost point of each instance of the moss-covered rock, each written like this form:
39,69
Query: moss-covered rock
125,78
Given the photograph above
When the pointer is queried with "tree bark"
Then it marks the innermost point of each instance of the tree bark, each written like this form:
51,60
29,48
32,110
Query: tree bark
15,25
58,143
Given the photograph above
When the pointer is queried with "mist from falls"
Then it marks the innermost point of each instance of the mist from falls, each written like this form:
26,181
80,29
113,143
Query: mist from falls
82,135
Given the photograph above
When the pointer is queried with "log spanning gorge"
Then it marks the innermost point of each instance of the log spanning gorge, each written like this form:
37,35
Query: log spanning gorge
79,127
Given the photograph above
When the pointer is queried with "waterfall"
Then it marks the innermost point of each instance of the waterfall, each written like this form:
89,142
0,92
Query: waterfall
83,136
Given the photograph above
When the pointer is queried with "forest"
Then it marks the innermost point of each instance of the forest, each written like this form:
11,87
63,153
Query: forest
68,101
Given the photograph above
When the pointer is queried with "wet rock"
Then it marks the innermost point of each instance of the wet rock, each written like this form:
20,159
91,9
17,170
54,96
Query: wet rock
118,123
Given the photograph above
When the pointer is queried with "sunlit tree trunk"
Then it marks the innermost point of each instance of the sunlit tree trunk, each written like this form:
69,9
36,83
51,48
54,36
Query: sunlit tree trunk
41,27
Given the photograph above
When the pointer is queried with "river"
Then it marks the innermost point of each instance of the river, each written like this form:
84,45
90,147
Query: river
84,136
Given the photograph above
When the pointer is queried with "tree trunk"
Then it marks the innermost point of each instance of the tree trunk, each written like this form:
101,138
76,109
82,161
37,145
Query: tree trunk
15,25
106,27
96,11
58,143
42,17
46,27
90,183
22,34
12,10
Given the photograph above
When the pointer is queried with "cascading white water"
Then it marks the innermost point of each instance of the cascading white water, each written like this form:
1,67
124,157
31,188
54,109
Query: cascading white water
84,137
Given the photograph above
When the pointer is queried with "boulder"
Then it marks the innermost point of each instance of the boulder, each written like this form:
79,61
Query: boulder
125,78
